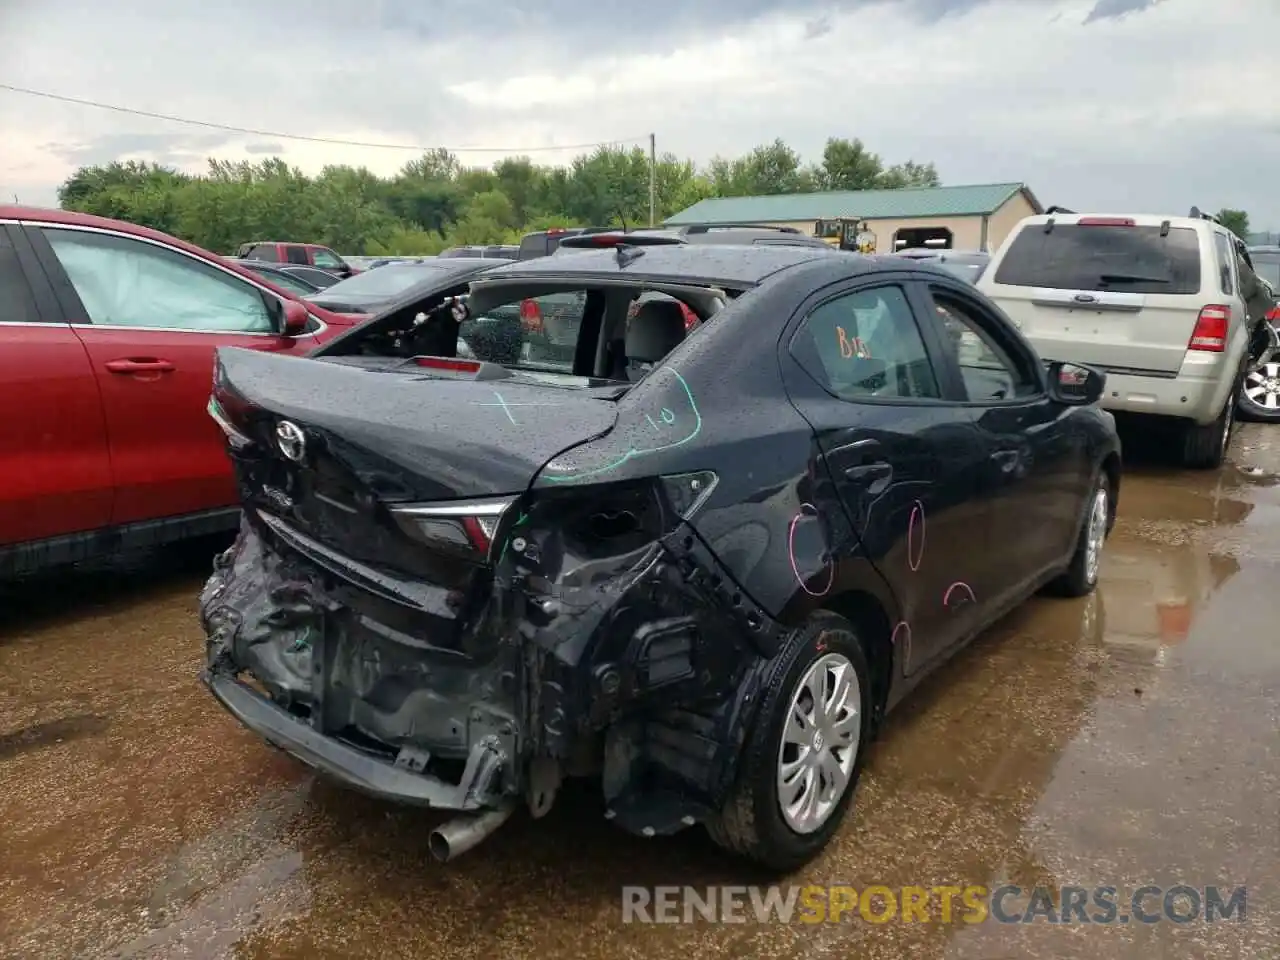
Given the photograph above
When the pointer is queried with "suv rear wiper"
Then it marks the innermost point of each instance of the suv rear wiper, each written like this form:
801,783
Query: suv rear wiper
1130,278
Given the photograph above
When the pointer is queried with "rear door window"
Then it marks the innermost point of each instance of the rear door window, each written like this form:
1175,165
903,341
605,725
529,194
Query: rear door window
537,333
1123,259
865,345
264,251
296,254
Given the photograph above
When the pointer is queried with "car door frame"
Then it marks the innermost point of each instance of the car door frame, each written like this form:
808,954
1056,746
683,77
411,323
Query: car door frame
919,654
1036,412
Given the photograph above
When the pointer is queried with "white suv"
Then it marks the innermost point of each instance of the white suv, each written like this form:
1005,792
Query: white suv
1152,301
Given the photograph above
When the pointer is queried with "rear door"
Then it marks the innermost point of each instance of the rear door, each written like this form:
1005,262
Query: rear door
149,317
53,438
1106,291
906,463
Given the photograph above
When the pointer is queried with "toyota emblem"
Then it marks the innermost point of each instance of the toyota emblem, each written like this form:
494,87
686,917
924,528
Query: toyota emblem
291,440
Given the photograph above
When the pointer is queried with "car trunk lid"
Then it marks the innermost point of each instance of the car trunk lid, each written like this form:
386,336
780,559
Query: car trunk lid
392,474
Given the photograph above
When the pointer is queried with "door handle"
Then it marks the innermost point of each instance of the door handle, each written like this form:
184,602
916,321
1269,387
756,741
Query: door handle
870,472
1008,459
140,365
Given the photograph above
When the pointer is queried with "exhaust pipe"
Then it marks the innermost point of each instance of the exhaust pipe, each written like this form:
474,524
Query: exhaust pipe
457,836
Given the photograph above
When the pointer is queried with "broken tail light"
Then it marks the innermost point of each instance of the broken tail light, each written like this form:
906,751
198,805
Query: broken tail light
464,527
1273,315
1210,333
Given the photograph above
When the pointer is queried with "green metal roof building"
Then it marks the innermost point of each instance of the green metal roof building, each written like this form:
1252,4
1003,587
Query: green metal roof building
974,217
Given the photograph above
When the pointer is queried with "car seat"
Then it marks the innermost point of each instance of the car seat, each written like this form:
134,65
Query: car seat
657,328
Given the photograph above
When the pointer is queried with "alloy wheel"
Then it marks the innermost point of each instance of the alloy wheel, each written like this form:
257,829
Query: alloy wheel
1096,535
819,743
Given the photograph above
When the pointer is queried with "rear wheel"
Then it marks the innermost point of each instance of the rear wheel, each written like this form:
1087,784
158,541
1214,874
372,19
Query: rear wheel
1205,446
801,759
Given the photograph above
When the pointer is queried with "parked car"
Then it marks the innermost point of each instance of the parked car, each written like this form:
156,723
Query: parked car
1153,301
370,291
498,251
696,234
702,579
299,254
107,335
1260,393
965,264
284,277
543,243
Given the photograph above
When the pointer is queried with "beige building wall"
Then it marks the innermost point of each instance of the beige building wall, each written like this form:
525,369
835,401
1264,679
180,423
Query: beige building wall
966,232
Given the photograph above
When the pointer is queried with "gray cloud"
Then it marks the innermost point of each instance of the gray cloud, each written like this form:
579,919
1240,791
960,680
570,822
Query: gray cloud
974,85
1115,9
174,148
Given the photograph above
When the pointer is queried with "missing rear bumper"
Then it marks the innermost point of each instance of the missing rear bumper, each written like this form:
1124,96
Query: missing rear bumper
353,767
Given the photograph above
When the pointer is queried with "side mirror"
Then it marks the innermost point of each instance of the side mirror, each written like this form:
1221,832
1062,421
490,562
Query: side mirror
1075,385
295,318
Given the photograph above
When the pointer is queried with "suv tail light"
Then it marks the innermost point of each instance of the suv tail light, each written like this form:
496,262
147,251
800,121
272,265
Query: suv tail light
1210,334
531,316
690,318
1273,315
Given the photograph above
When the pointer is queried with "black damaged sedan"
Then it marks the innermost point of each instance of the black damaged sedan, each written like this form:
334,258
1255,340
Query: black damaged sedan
696,558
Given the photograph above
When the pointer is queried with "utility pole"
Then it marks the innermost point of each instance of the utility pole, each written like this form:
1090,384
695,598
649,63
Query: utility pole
653,182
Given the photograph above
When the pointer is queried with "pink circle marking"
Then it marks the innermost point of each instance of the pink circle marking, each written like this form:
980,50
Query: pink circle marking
915,553
958,585
791,554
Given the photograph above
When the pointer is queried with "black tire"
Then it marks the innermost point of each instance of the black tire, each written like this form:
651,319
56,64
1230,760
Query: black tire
751,823
1080,577
1262,373
1205,447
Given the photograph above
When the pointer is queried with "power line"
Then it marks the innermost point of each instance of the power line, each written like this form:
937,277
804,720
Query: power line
419,148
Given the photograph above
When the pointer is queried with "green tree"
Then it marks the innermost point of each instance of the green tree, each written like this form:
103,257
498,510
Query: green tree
848,165
434,201
1237,221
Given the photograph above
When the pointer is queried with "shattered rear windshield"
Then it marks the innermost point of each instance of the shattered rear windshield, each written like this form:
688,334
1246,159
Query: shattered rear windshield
1102,257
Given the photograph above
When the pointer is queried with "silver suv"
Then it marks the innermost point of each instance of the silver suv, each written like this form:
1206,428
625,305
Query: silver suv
1153,301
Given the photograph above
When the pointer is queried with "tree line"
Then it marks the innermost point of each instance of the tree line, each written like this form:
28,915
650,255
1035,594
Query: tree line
435,201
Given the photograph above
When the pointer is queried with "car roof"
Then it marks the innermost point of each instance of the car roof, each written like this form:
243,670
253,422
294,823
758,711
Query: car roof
72,218
737,265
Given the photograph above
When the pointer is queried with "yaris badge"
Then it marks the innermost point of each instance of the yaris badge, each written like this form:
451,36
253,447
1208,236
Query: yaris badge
291,440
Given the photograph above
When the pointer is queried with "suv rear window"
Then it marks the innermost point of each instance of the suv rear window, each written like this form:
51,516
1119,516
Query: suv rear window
1119,258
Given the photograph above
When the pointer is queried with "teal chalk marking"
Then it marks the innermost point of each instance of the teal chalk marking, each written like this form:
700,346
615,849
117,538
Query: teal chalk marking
656,428
668,416
632,453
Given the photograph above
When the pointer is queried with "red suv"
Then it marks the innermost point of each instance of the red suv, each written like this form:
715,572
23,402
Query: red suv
301,254
107,336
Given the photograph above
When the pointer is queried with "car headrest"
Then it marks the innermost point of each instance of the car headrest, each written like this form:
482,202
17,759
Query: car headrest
655,330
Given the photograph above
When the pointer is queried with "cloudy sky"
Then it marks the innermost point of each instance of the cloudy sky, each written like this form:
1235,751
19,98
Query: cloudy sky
1149,105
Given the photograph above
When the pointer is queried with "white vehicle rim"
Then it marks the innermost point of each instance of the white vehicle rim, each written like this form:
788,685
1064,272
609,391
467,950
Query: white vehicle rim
1096,535
1262,386
820,738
